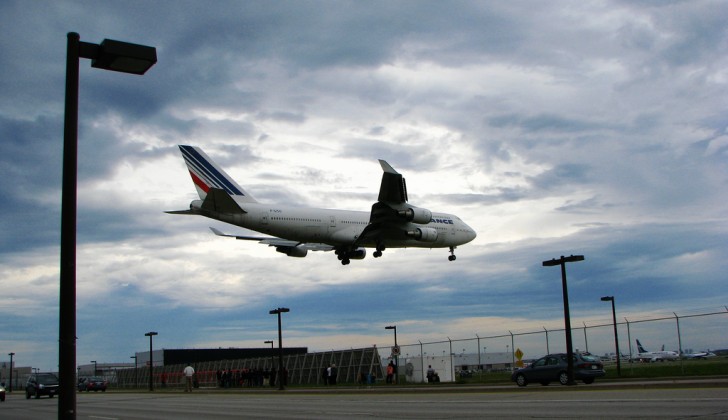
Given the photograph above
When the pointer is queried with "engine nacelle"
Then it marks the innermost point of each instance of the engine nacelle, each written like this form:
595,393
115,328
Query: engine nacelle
416,215
292,251
357,254
423,234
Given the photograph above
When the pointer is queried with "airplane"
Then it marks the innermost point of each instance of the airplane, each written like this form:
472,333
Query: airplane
293,231
655,356
700,355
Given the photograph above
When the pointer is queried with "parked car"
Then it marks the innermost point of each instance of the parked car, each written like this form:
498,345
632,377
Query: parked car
41,384
93,383
553,367
2,392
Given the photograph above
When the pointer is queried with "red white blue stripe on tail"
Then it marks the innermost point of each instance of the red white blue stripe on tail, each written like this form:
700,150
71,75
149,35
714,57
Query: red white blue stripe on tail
206,174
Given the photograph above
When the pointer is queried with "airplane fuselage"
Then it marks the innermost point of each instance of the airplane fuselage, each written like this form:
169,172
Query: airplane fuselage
336,227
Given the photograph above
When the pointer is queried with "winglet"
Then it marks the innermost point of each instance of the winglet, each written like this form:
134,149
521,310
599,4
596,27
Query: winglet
386,167
393,188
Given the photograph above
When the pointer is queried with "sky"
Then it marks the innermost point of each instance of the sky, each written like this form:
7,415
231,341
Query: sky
593,128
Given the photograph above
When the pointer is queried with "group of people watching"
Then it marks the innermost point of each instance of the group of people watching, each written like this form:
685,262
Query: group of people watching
229,378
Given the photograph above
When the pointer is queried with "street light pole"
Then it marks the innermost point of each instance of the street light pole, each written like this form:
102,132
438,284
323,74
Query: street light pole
396,351
151,334
567,317
279,311
10,387
136,382
272,359
109,55
616,337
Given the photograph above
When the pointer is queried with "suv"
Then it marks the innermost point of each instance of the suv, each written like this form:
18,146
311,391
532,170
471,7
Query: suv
41,384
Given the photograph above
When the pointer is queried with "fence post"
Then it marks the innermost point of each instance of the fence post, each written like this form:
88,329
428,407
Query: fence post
629,340
513,351
679,344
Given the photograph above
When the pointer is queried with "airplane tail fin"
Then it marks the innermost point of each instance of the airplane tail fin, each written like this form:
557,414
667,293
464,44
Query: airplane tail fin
640,348
207,175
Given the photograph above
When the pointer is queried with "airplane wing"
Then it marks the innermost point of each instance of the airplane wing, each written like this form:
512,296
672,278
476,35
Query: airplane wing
277,242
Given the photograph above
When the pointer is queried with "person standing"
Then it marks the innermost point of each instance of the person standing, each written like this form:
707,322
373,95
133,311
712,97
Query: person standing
430,374
189,373
332,374
390,372
326,374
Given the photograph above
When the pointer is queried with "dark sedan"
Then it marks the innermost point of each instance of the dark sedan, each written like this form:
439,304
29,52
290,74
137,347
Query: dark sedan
553,367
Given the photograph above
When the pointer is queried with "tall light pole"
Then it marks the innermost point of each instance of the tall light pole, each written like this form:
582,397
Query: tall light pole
109,55
616,337
567,317
10,388
95,367
395,351
272,359
135,370
151,334
278,312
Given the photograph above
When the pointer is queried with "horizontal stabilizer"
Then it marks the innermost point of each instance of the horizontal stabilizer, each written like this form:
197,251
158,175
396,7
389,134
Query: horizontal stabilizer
180,212
219,201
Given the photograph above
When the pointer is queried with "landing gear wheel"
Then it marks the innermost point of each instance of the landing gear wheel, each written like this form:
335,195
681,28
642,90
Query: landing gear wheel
380,248
452,254
345,261
451,258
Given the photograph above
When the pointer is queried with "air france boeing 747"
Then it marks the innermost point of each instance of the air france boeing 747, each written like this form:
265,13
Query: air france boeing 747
391,223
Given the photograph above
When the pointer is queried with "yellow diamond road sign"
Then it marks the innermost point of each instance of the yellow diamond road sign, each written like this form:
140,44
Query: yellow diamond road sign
519,354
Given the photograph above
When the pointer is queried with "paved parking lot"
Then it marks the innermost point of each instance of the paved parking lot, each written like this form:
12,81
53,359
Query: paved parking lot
557,402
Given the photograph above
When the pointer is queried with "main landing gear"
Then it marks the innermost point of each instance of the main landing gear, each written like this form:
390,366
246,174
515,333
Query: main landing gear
378,252
452,256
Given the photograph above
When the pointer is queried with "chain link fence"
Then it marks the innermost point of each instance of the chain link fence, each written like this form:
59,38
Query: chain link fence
503,352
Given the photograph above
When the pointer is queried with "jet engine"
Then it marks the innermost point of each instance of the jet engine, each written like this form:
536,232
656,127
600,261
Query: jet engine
423,234
357,254
292,251
416,215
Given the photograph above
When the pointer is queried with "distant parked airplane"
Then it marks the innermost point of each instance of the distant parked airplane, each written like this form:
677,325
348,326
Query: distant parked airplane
700,355
654,356
391,223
